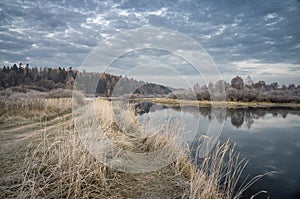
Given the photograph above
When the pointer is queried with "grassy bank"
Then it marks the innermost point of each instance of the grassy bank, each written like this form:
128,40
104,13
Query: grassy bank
228,104
53,163
24,119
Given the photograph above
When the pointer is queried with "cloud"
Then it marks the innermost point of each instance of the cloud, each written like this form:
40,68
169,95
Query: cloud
283,73
64,32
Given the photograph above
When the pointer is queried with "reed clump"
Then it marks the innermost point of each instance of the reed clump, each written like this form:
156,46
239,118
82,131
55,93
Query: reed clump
61,167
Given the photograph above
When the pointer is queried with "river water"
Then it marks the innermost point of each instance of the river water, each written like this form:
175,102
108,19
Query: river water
269,138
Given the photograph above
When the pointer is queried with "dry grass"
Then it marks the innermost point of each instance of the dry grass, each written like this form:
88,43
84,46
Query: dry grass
217,178
228,104
61,167
23,108
58,100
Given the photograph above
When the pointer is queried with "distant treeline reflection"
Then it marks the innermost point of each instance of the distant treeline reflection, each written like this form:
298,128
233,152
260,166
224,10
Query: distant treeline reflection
238,116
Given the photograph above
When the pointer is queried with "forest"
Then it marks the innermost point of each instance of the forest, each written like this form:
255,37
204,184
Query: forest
46,79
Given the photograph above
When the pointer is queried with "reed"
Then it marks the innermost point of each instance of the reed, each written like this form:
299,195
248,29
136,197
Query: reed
61,167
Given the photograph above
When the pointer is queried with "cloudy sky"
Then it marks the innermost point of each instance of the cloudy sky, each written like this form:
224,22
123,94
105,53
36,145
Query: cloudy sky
243,37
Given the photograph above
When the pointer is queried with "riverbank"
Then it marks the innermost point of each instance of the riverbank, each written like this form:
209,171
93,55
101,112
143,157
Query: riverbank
227,104
53,161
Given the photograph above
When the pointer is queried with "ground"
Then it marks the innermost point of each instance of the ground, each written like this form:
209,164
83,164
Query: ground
41,156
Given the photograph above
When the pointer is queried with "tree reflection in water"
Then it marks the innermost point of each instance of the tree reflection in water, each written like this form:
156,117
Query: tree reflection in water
238,116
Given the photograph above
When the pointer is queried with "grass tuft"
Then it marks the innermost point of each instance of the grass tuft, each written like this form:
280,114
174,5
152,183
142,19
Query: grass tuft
59,166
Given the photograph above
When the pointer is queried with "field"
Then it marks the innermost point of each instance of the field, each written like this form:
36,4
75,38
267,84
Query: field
42,156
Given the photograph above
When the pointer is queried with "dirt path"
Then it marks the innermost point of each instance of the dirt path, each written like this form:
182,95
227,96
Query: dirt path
12,136
36,125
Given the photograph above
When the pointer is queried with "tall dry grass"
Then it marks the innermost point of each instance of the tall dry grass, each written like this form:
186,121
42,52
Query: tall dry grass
61,167
19,102
30,106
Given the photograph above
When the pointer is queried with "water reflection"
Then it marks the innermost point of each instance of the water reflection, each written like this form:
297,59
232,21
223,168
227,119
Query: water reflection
268,137
238,116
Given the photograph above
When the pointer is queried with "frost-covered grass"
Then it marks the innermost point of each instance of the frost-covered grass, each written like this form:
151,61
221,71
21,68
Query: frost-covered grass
57,165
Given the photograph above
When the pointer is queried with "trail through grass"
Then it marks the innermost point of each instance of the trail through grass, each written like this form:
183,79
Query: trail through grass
46,159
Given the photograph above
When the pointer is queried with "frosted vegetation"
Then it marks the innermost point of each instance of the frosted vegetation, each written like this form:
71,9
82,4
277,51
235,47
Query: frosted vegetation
45,79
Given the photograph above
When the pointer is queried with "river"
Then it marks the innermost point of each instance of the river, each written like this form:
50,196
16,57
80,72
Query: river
268,137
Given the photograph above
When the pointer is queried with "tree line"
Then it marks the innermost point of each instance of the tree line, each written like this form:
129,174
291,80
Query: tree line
249,91
45,79
42,79
93,83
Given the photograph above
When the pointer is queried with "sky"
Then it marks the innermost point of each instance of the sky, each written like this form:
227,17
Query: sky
242,37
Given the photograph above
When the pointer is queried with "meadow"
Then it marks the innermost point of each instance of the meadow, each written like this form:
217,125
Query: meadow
42,155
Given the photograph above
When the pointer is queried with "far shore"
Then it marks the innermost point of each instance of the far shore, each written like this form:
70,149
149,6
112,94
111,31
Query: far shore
227,104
